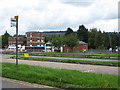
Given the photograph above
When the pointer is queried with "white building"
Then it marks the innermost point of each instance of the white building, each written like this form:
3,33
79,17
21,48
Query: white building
50,48
13,47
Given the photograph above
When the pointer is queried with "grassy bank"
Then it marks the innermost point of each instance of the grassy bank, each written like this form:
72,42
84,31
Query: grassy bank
58,77
112,63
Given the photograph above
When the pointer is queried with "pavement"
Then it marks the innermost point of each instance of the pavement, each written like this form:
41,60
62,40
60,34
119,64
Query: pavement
88,59
11,83
80,67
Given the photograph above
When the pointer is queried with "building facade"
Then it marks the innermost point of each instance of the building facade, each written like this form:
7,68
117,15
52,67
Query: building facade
35,41
21,42
83,47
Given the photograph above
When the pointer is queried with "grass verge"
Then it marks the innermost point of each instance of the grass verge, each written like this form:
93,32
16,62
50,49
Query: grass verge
109,63
61,78
82,55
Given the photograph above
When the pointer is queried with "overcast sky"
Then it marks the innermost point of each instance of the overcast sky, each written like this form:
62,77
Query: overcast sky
42,15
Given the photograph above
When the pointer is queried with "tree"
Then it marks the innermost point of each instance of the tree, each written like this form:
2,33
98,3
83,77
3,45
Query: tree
106,40
5,39
69,31
82,33
71,41
91,38
0,42
57,41
98,43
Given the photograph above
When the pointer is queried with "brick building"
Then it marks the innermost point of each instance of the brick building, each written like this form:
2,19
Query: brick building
82,48
35,41
21,40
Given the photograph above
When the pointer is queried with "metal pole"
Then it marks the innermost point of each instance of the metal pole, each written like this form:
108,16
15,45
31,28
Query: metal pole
16,41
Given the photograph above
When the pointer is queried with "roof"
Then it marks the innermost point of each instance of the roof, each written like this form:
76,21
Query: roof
81,42
48,42
34,32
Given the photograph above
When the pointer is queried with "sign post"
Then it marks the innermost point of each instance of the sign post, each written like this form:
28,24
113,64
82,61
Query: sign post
14,23
16,17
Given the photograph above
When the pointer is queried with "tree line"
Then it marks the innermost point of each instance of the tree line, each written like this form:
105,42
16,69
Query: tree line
94,37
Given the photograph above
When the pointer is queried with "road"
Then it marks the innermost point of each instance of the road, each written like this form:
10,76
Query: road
10,83
79,67
88,59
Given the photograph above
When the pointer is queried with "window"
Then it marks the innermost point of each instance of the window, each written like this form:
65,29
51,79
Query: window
30,34
42,40
41,44
38,34
41,34
30,44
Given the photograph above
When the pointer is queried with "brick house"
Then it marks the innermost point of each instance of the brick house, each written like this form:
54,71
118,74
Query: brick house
82,48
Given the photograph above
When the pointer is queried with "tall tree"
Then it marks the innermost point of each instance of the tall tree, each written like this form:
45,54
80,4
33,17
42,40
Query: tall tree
69,31
98,43
91,38
106,40
5,39
82,33
71,41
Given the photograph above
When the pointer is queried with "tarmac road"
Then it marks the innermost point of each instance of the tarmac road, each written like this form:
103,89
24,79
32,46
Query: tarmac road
88,59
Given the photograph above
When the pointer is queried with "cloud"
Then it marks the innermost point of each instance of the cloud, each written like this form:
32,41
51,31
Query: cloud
58,14
103,25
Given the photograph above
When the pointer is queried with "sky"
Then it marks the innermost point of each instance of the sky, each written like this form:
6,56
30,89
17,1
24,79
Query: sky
52,15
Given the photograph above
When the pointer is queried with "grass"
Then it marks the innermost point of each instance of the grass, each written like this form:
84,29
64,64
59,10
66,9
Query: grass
69,61
61,78
67,55
97,53
73,56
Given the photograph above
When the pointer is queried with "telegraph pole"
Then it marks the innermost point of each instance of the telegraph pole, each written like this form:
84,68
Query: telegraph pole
14,23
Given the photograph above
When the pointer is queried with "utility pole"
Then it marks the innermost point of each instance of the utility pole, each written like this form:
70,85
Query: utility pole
14,23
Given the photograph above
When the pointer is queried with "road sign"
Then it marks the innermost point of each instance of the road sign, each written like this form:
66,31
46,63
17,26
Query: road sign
16,17
13,22
26,54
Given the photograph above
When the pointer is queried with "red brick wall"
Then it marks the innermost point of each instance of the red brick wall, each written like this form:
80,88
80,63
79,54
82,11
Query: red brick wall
13,40
35,36
76,49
